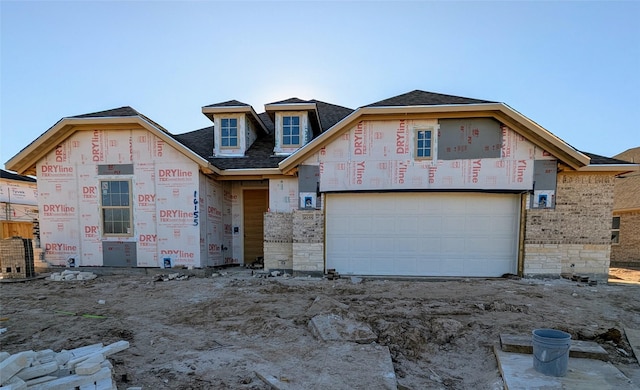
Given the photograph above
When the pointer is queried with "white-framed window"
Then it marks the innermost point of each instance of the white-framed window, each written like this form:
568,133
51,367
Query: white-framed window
424,144
290,130
615,230
116,209
229,133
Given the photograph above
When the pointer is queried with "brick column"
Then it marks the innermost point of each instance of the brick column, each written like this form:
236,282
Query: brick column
308,242
278,239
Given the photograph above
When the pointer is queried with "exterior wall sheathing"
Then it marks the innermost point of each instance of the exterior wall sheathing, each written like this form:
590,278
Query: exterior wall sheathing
627,252
573,238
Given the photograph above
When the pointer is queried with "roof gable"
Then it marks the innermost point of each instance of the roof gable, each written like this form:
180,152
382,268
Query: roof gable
421,104
123,117
631,155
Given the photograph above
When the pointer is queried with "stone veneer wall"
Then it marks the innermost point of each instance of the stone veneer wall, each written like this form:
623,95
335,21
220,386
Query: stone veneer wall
278,241
294,242
627,252
575,237
308,242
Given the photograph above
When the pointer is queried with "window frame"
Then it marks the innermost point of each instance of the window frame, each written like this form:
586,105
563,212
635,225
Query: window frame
291,135
128,230
615,238
229,137
431,140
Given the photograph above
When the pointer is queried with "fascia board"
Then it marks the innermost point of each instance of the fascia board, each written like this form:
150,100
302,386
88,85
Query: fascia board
226,109
290,107
625,210
617,168
243,173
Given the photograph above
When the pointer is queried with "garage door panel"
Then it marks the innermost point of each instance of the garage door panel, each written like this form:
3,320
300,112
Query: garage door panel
438,234
453,222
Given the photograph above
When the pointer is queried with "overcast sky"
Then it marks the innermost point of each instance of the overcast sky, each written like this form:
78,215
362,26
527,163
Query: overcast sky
572,67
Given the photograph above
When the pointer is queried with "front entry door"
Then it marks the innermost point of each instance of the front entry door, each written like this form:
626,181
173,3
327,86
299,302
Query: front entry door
255,204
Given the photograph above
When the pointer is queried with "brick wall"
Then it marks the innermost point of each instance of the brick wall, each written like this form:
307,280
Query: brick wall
278,241
294,242
308,242
627,252
575,236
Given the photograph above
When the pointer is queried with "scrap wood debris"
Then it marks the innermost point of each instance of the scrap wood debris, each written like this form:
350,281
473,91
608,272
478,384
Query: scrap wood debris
85,367
168,277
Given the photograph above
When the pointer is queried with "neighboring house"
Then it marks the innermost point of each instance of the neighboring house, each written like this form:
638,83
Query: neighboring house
625,235
418,184
18,205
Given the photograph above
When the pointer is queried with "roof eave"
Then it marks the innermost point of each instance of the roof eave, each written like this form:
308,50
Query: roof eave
613,168
248,173
290,107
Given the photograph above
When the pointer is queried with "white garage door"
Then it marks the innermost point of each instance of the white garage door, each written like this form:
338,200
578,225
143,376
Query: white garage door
427,234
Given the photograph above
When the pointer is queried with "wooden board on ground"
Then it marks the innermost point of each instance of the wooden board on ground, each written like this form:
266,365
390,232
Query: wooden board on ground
579,348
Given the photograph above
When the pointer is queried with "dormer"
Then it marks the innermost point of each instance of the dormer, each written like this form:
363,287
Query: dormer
296,124
236,126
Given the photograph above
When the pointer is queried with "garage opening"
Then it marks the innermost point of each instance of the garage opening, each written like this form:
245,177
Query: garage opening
422,234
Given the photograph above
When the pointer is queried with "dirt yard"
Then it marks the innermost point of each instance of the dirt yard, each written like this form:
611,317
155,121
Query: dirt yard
211,332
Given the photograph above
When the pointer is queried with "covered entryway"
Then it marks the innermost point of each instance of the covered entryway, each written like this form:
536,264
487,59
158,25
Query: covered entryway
422,234
255,204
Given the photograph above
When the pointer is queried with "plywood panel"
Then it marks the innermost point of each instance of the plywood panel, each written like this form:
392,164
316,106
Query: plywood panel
16,229
255,204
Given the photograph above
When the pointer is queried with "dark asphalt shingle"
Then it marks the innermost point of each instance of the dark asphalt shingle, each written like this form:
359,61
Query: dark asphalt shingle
14,176
423,98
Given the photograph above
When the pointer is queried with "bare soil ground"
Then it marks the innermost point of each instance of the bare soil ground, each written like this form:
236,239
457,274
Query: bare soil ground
210,333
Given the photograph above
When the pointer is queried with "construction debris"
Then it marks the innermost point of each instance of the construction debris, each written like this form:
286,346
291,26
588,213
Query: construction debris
68,275
85,368
168,277
332,274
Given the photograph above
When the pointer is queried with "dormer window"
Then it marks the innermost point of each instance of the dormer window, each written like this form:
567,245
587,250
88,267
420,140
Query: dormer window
229,133
235,127
290,131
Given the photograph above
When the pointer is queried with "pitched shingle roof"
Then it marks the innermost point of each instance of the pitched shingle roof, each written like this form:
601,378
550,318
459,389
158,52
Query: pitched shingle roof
14,176
423,98
229,103
602,160
293,100
330,114
627,186
200,141
124,111
121,111
260,154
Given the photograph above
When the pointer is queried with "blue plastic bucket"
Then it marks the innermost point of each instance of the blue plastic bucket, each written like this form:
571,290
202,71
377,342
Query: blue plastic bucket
551,351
